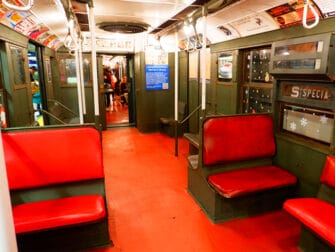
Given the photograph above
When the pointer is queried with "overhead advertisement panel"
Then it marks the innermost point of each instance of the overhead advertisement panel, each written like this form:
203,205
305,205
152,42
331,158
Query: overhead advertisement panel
291,14
240,20
327,7
28,24
254,24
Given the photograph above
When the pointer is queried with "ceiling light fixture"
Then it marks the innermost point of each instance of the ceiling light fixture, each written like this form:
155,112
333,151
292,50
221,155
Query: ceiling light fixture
124,27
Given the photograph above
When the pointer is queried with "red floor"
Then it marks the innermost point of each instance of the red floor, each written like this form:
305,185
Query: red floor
151,210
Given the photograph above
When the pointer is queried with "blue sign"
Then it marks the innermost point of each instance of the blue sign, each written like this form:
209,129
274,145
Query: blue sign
157,77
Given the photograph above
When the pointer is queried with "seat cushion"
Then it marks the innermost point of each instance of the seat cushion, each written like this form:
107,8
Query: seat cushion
235,183
316,214
55,213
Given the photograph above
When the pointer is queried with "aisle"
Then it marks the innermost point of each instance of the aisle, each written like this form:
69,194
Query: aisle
150,209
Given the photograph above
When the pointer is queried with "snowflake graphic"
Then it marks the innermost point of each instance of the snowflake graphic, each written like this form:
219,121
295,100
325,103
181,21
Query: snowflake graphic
293,126
303,122
323,119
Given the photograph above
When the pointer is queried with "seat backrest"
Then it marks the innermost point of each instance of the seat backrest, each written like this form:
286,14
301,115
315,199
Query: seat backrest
328,172
237,138
44,157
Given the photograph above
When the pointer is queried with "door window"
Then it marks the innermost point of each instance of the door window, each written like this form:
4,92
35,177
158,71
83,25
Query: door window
18,65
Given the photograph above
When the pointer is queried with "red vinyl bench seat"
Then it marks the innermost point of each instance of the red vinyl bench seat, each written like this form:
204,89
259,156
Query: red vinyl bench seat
317,214
240,182
231,139
234,175
56,180
47,214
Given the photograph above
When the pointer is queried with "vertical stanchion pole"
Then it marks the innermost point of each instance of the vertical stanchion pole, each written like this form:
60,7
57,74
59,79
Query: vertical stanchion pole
203,60
94,66
82,80
176,87
80,101
7,231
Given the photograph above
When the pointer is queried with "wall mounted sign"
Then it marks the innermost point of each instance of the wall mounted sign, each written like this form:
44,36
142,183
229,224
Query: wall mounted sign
157,77
156,70
320,93
109,44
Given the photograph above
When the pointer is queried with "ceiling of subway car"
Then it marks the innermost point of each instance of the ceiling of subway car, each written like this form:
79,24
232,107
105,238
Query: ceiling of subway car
226,19
135,16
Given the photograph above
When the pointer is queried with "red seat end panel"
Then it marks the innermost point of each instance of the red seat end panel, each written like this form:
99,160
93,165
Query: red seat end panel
55,213
316,214
245,181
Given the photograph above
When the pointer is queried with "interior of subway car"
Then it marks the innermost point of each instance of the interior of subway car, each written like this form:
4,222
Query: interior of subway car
70,69
165,69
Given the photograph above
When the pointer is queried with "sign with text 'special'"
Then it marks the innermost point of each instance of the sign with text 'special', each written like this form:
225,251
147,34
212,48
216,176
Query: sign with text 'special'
320,93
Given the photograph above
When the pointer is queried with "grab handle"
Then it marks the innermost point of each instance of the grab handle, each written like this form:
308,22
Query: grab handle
19,8
304,17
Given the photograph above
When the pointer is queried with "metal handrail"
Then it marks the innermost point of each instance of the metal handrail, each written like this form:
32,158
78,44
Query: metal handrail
63,106
190,114
49,114
182,122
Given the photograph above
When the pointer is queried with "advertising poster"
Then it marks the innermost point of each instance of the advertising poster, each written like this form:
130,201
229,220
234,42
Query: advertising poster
254,24
36,33
290,14
225,67
55,43
14,17
3,11
27,25
327,7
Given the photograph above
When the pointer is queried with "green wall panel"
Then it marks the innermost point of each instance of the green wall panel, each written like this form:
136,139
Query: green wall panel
303,161
152,104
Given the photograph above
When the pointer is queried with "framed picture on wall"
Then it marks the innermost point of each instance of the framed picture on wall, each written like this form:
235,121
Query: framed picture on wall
225,67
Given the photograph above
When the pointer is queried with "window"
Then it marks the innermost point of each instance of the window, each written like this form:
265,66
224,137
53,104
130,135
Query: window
18,65
308,122
68,71
311,55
